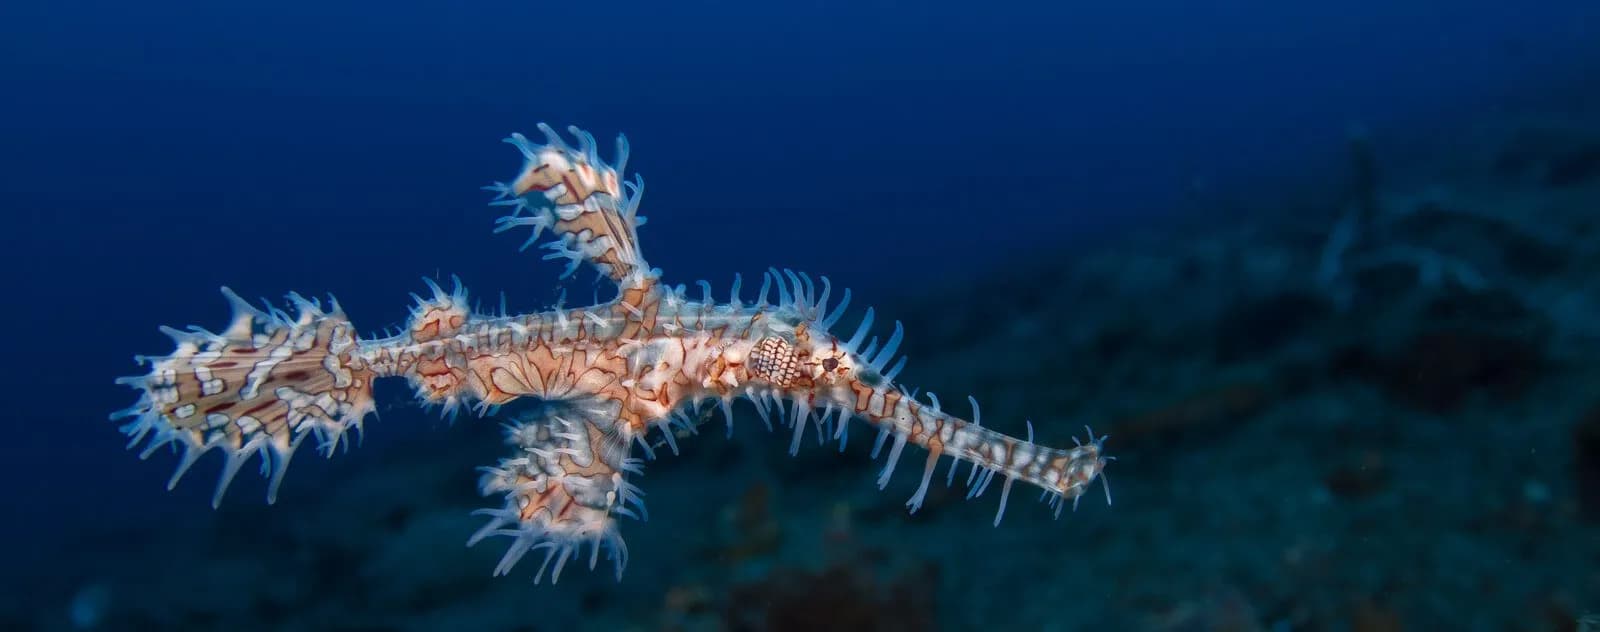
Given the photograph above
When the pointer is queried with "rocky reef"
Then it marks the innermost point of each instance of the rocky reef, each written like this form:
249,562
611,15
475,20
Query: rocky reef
1374,409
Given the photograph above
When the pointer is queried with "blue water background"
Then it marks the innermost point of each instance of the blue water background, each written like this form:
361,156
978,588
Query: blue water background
151,152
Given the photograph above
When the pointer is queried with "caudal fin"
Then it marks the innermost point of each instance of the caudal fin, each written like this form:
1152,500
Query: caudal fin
259,387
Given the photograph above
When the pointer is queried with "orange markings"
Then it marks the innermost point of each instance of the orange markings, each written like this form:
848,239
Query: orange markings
439,376
890,400
863,396
437,323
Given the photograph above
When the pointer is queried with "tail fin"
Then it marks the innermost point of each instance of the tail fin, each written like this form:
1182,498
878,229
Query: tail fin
260,386
588,204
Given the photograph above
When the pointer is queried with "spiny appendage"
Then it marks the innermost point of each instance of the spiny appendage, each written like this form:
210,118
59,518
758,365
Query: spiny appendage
1060,474
259,387
797,294
563,487
807,374
438,370
587,203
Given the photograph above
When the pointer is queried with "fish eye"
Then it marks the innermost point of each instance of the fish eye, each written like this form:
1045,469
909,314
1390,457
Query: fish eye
830,364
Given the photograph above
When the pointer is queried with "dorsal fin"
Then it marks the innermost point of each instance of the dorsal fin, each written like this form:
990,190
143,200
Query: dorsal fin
586,203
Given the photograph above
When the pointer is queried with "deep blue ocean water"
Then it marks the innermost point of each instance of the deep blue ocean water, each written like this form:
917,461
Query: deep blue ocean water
154,151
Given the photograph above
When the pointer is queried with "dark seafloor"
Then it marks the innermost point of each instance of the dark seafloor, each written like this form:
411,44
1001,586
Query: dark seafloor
1370,405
